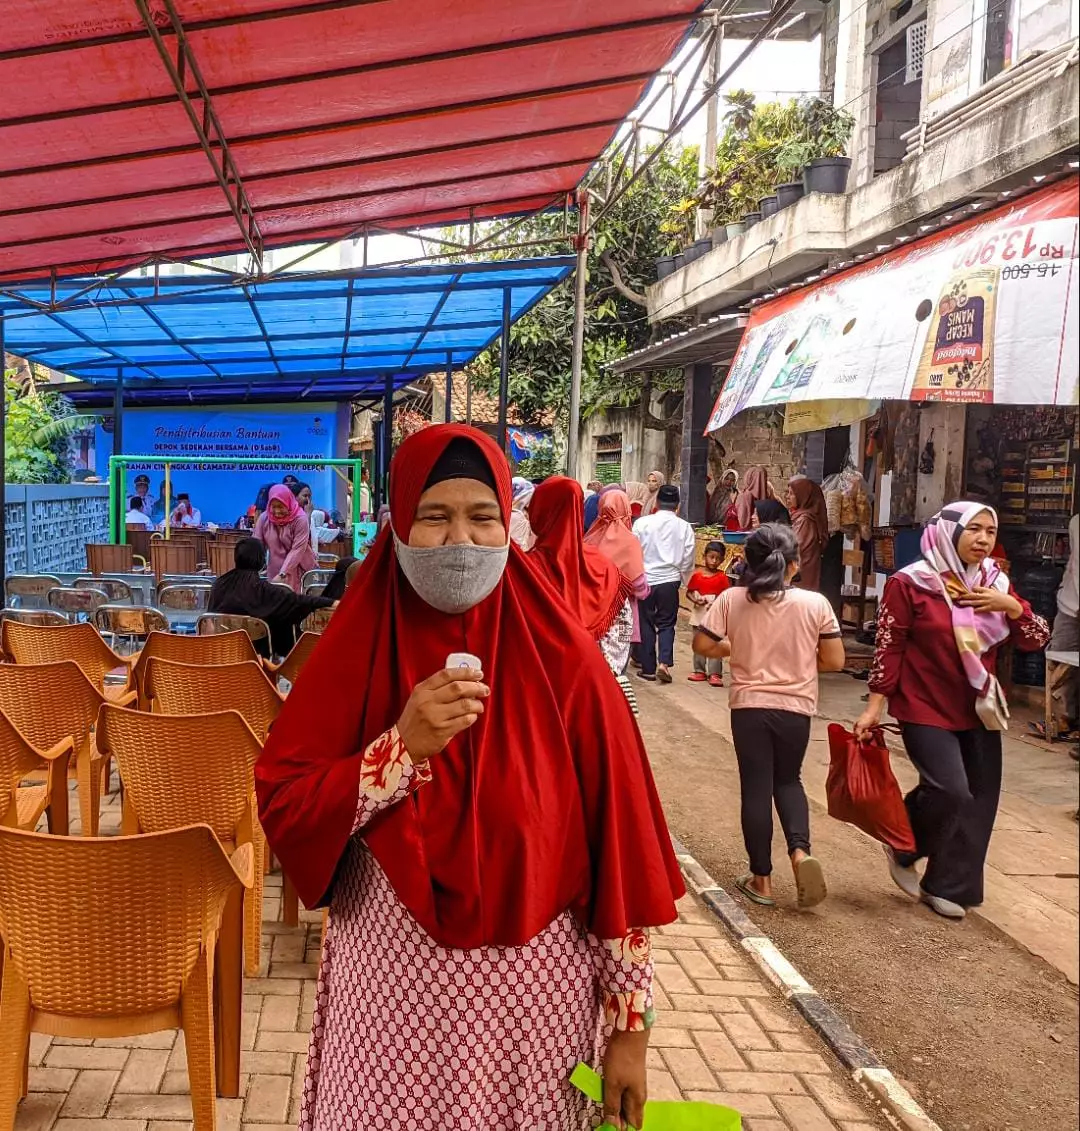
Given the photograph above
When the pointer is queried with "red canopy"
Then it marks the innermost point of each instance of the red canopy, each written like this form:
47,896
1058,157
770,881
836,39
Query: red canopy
130,128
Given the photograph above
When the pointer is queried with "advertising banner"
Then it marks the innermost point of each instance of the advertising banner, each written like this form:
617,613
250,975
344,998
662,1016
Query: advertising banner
243,433
983,313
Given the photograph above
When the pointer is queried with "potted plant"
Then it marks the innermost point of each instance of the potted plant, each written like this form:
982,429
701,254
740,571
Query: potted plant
828,129
750,219
767,205
678,227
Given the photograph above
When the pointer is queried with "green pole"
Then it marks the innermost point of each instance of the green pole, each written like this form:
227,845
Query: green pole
114,517
357,469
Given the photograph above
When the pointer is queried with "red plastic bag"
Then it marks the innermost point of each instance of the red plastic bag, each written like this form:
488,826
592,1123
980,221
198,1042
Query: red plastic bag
863,790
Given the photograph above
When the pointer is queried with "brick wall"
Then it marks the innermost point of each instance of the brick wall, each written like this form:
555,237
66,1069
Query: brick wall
756,436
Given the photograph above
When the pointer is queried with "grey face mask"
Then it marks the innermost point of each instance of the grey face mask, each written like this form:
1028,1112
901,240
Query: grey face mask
452,579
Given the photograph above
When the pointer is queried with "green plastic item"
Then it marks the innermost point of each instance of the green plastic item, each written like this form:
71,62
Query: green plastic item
663,1115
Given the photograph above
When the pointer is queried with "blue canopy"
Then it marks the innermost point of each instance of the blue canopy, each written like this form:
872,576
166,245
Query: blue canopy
333,336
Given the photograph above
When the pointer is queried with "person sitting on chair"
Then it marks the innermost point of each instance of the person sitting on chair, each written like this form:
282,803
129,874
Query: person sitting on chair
136,515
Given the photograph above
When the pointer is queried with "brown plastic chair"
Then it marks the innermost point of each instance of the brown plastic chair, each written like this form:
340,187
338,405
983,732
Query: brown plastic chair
226,648
107,557
21,805
139,538
30,590
111,938
318,621
29,644
36,616
293,664
118,592
196,768
197,540
211,624
191,689
53,702
172,557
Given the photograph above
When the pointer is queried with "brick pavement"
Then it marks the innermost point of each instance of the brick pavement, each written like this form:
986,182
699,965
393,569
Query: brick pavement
723,1034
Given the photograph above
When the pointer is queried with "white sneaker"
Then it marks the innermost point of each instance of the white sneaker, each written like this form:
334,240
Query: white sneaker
944,907
906,879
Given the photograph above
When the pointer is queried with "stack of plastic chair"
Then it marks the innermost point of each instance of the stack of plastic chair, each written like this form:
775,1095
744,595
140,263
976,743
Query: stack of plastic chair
109,938
53,702
192,689
181,770
82,643
22,805
225,648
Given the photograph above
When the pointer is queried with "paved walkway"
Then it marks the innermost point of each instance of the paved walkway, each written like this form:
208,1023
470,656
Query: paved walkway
724,1034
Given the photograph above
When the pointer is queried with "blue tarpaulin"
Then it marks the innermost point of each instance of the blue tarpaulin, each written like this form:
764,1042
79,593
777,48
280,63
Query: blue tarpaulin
327,336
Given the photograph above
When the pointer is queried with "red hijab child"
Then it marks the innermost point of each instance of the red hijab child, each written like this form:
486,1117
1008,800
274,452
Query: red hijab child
475,833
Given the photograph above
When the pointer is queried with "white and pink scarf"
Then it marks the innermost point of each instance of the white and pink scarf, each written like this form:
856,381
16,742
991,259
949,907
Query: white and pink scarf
942,571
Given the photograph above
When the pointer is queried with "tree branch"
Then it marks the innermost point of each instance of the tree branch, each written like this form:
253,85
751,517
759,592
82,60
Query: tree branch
616,277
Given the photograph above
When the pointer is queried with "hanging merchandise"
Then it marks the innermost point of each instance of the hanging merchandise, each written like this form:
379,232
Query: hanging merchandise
847,503
928,457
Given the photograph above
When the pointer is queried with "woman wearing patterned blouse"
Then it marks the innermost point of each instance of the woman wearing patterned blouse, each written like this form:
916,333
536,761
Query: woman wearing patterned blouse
940,625
490,843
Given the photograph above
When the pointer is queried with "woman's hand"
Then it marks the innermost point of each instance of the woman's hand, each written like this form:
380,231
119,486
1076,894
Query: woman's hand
870,718
984,600
443,705
624,1079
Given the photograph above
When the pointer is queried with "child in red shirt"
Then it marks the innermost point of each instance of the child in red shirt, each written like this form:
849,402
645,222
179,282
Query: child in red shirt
703,588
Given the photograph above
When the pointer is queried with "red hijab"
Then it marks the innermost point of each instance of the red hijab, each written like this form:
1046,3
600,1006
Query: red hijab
585,577
551,785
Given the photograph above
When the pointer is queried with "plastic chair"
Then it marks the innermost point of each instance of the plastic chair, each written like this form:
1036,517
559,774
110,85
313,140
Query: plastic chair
315,581
110,938
227,648
212,624
172,557
188,598
30,590
118,592
30,644
293,664
173,688
35,616
77,604
197,540
134,622
317,622
184,769
107,557
21,805
138,538
53,702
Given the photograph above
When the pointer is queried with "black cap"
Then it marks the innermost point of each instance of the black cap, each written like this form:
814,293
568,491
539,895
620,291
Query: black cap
668,496
142,479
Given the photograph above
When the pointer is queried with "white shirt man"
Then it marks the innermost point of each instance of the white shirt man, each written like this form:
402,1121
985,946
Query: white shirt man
667,545
136,516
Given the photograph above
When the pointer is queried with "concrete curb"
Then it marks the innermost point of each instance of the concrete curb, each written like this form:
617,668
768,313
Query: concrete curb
849,1048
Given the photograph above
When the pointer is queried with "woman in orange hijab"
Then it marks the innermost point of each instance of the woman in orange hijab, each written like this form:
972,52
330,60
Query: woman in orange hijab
612,534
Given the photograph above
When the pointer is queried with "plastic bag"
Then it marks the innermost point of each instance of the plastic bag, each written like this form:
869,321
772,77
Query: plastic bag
863,791
664,1115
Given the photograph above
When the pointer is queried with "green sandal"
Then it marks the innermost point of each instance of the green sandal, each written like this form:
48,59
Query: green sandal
743,884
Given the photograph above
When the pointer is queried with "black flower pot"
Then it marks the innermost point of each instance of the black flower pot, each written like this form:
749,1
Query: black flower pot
680,260
664,266
751,218
827,174
788,194
719,235
702,246
768,206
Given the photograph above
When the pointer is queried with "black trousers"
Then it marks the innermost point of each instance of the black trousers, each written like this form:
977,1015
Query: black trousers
770,747
659,612
952,809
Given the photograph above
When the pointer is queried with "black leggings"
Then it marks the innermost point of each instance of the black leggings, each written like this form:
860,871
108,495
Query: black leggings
770,747
952,809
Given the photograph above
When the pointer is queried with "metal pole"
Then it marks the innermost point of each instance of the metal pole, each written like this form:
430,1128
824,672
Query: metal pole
449,388
504,367
3,469
581,246
387,436
118,450
712,118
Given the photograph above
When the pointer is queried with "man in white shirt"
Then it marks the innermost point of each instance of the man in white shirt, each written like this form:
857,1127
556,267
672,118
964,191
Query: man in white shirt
136,515
1066,634
667,544
185,516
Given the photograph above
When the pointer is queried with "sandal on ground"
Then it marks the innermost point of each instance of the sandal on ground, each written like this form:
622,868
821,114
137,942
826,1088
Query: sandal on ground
743,883
716,681
810,880
663,675
696,677
647,676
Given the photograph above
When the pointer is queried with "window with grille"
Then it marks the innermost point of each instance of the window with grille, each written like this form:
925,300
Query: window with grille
607,458
916,50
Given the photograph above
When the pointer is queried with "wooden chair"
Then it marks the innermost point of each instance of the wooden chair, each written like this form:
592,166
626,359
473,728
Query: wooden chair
82,643
35,616
226,648
222,557
114,937
118,592
49,703
197,768
293,664
30,590
211,624
22,805
133,622
197,540
76,604
107,557
172,557
189,689
317,622
139,538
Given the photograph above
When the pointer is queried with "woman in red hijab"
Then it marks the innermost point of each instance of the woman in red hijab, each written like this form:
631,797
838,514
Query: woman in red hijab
492,848
285,530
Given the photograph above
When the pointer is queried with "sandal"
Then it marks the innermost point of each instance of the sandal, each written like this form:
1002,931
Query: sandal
810,880
663,675
743,883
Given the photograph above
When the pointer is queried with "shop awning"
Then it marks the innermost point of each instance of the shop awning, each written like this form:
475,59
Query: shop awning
984,312
328,336
139,128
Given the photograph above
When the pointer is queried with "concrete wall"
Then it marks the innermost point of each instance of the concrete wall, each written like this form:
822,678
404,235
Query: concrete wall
644,449
47,527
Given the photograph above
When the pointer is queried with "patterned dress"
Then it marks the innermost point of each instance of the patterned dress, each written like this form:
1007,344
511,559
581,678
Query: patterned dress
412,1036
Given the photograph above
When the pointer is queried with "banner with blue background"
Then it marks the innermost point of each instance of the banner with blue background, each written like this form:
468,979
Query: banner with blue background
243,433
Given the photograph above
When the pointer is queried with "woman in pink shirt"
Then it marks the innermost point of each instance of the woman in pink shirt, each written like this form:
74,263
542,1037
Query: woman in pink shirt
778,639
286,532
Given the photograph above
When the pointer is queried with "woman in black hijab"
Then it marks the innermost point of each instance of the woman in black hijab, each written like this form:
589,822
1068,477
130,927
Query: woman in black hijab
243,592
335,587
